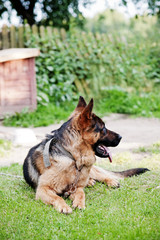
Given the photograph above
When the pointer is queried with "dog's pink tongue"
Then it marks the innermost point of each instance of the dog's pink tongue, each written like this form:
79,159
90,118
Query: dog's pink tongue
109,154
110,157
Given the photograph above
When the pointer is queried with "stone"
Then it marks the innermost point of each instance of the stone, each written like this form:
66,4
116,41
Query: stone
24,137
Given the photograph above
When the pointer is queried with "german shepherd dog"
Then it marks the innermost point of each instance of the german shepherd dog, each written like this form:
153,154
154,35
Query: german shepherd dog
63,163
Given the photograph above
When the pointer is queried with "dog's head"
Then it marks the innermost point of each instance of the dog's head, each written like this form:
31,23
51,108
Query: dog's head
93,130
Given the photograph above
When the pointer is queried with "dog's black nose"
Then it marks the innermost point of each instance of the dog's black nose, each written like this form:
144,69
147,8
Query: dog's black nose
116,141
119,137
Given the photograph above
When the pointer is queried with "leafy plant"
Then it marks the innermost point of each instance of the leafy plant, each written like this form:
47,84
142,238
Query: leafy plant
86,63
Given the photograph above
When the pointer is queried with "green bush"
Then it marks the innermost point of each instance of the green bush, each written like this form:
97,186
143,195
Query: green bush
86,63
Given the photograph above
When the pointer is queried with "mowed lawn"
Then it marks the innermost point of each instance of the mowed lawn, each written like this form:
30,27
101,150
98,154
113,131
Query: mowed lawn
129,212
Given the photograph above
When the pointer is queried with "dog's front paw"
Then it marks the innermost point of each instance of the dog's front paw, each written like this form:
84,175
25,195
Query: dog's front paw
64,209
78,204
91,182
78,198
112,182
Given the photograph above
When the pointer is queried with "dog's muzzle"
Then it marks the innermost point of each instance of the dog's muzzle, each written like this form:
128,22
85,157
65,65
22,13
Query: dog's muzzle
101,147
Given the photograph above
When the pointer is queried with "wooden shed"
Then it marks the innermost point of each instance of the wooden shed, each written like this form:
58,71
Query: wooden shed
17,79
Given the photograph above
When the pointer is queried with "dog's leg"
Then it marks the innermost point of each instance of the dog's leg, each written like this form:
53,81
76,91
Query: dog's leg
50,197
78,198
101,175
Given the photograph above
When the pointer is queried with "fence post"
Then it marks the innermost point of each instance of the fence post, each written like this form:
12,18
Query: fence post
0,40
42,32
63,33
27,32
20,37
49,31
35,30
13,37
5,37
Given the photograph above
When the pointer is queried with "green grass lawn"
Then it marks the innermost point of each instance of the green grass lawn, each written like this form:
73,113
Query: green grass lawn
129,212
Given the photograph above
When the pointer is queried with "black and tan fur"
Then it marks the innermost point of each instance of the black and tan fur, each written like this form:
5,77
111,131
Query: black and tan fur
72,159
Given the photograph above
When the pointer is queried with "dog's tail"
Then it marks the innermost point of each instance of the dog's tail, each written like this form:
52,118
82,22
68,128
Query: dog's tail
131,172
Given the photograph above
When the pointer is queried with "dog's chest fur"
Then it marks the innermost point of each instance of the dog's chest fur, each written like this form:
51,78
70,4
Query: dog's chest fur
63,173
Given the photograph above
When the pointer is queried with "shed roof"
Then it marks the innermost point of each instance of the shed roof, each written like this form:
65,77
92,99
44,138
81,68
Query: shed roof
18,53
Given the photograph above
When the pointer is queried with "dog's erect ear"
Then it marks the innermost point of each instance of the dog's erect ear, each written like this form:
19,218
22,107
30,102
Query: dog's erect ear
85,117
80,107
81,102
87,111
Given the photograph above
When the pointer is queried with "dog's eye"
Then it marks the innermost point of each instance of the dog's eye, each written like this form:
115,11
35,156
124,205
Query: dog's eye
104,131
96,128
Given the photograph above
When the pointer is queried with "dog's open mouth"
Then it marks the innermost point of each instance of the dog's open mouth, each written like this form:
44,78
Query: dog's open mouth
104,152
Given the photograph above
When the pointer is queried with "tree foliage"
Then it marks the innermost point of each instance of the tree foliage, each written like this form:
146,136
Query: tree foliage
57,12
153,5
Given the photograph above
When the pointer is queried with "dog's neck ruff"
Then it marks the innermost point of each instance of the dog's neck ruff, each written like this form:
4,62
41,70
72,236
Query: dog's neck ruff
46,154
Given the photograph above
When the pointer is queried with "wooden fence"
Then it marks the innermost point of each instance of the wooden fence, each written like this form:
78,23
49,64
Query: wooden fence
16,37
